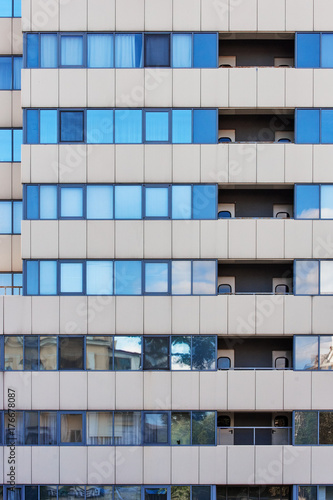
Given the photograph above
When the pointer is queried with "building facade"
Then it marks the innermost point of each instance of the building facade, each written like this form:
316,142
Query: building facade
166,258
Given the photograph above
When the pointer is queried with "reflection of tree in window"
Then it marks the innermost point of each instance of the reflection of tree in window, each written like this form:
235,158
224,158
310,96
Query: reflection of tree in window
306,427
203,427
325,427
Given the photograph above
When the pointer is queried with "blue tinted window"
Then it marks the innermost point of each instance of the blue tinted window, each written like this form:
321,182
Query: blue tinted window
5,217
71,126
306,352
307,202
99,278
326,202
128,278
32,277
326,277
181,126
49,51
306,277
307,126
182,50
204,277
156,277
157,202
17,66
327,126
6,8
48,126
17,8
32,202
6,73
181,202
327,50
99,202
71,202
128,51
48,202
128,126
181,277
5,281
205,50
157,126
157,50
204,202
308,50
71,50
100,51
32,126
128,202
99,126
32,51
17,217
48,277
204,126
5,145
17,143
71,277
17,281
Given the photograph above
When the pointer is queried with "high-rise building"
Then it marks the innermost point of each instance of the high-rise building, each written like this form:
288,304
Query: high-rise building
166,326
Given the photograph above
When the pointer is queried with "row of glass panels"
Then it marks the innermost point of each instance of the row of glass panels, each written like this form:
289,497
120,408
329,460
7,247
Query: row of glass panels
10,217
10,8
10,144
10,72
314,50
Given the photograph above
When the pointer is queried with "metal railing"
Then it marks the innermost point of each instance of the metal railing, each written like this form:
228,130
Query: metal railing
11,289
230,436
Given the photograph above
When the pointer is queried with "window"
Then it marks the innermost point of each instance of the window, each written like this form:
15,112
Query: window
99,202
128,126
155,428
10,72
71,353
181,350
307,126
71,278
99,126
99,353
306,352
71,50
31,427
203,353
327,126
71,428
181,126
10,145
127,428
205,50
100,51
180,428
99,428
127,352
127,275
307,50
156,202
157,126
307,202
203,428
71,126
49,50
71,199
204,277
157,50
48,127
48,428
156,353
10,283
181,50
306,277
204,126
156,278
128,202
13,355
128,50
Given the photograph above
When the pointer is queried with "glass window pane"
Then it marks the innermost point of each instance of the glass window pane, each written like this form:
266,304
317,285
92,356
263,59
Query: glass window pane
325,427
71,353
204,277
48,126
6,145
204,202
203,493
181,50
326,202
128,51
48,428
127,428
327,126
204,352
17,143
99,428
32,201
205,50
6,8
307,202
71,278
49,50
181,352
155,428
127,352
306,352
100,51
326,276
326,352
307,492
17,66
307,126
327,50
205,126
157,126
32,277
17,8
99,353
100,492
99,126
48,202
31,352
157,202
71,202
99,277
13,352
181,277
307,50
31,427
181,202
71,428
127,276
32,126
203,427
306,427
5,217
17,217
180,492
48,277
32,50
155,494
48,353
180,428
71,50
71,492
16,434
157,50
99,202
306,277
71,126
181,126
156,353
156,278
31,493
17,283
128,126
128,202
6,73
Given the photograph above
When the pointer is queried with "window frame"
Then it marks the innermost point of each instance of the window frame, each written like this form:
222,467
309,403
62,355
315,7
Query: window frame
320,33
320,185
71,412
12,57
319,294
11,129
62,34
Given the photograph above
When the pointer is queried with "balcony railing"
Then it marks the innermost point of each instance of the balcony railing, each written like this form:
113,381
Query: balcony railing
10,290
229,436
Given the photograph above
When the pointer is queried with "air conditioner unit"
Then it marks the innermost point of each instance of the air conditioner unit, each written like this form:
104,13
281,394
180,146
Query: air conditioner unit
227,207
227,280
284,62
281,136
282,211
227,61
227,134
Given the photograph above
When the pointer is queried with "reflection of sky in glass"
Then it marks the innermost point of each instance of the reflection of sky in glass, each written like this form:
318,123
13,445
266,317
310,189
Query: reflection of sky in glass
128,202
181,353
127,277
306,353
128,344
307,202
157,202
156,278
157,125
326,202
326,353
71,278
99,277
204,277
127,492
307,277
181,278
181,202
326,276
71,202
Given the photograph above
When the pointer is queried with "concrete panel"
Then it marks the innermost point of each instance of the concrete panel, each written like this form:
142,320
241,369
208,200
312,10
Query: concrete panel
1,316
323,81
100,239
45,390
73,464
321,459
101,390
213,390
271,15
297,315
158,15
215,163
73,391
129,464
185,465
158,87
6,108
44,16
17,36
16,181
25,240
271,81
26,16
16,253
298,166
129,315
322,399
185,239
73,15
323,12
72,87
240,464
129,239
269,390
98,22
296,464
101,315
154,471
20,382
129,163
242,83
101,465
241,315
72,239
242,161
73,315
269,314
214,87
241,390
6,181
185,315
5,254
297,390
45,315
186,163
214,239
42,155
322,315
322,171
299,87
185,383
44,88
130,15
243,16
5,35
270,163
322,239
101,86
98,169
25,163
158,163
295,22
17,115
44,239
17,315
214,15
157,315
156,390
186,88
242,239
129,391
130,88
22,465
49,457
26,90
272,246
214,314
157,239
298,239
186,15
72,163
268,465
213,465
